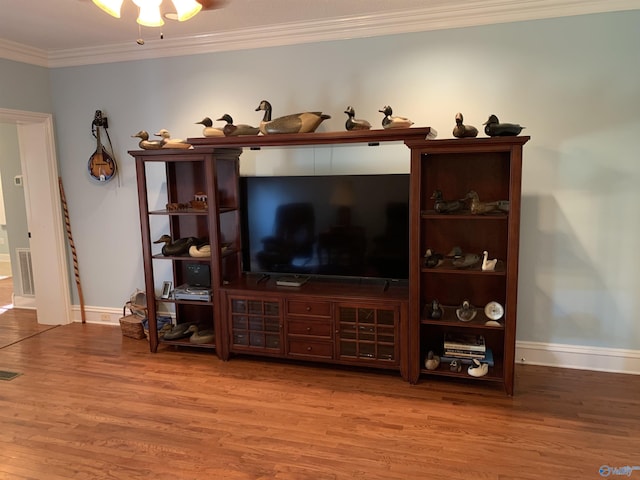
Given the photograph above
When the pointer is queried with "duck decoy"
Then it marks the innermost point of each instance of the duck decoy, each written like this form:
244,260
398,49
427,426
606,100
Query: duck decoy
199,336
442,206
466,261
391,121
488,265
461,130
145,143
355,123
466,312
231,130
478,208
305,122
494,128
478,369
209,130
200,251
432,361
177,248
431,259
179,331
168,142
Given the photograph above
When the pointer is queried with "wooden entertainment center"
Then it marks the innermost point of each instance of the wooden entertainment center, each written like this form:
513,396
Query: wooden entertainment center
375,323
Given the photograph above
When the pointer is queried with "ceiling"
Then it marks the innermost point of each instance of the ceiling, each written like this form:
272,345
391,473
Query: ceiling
57,33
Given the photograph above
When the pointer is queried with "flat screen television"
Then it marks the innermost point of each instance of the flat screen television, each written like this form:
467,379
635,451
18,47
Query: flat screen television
326,225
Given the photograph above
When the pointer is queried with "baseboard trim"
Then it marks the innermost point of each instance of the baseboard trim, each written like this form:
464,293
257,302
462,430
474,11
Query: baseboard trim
102,315
614,360
20,301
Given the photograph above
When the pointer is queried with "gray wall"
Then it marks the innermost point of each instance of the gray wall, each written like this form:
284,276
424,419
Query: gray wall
572,82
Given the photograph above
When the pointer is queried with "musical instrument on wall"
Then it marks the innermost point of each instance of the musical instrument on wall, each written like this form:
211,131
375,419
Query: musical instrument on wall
102,167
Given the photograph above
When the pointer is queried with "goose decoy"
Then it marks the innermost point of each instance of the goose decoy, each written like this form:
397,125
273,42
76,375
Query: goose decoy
355,123
209,130
177,248
145,143
488,265
199,336
494,128
231,130
168,142
478,369
461,130
182,330
442,206
390,121
478,208
432,361
305,122
200,251
466,312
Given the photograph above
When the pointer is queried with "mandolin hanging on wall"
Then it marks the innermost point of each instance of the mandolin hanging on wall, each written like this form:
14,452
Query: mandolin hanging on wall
102,166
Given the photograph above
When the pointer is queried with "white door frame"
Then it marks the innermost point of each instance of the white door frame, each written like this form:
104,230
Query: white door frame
44,214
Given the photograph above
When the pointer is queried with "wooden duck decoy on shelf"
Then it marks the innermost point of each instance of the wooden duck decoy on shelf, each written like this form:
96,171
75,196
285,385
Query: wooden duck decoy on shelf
434,310
391,121
466,312
478,369
305,122
442,206
353,123
177,248
488,265
432,361
461,130
494,128
231,130
199,336
478,208
209,130
168,142
431,259
145,143
200,251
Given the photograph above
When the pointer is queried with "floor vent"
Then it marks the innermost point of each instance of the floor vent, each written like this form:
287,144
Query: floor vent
26,272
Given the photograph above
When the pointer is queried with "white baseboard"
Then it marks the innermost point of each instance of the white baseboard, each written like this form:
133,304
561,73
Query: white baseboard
101,315
614,360
20,301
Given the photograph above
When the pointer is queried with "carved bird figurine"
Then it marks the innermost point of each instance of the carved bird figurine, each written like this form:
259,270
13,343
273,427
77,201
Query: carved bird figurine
168,142
177,248
305,122
478,369
488,265
494,128
231,130
478,208
391,121
209,130
200,251
145,143
432,361
442,206
199,336
461,130
466,312
431,259
355,123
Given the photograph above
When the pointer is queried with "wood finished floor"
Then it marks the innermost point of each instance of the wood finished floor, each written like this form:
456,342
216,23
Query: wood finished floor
90,404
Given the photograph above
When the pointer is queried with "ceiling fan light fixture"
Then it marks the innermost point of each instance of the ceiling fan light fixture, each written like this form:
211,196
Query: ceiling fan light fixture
112,7
149,15
186,9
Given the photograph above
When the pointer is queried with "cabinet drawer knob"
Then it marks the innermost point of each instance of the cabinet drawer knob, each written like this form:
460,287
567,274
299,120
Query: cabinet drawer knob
309,329
308,308
309,349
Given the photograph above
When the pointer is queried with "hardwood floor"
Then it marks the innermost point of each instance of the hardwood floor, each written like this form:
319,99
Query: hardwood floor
91,404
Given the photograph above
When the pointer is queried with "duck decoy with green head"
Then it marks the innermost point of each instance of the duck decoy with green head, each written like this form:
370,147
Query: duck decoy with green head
231,130
355,123
177,248
461,130
209,130
145,143
494,128
391,121
305,122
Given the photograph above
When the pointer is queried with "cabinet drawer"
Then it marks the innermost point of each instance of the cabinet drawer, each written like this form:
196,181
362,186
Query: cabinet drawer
315,328
316,309
310,348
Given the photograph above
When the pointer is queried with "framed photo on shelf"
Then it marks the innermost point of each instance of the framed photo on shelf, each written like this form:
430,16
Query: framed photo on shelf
166,289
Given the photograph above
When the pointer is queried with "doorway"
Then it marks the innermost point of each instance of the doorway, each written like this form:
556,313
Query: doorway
44,214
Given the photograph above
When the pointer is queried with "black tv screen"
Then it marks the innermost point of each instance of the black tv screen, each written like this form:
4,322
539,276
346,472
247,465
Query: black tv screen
333,225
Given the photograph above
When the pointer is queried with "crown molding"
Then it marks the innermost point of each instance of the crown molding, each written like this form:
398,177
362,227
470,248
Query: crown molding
452,14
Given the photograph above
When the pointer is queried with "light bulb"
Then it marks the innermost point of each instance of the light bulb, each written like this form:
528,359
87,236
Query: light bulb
149,13
112,7
186,9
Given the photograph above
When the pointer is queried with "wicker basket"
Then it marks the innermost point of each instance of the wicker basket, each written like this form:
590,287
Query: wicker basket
131,326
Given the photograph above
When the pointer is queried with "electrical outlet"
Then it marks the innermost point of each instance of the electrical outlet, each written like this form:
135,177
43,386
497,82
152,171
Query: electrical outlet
105,317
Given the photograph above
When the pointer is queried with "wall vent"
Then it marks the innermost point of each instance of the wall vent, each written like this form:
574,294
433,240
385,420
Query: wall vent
26,272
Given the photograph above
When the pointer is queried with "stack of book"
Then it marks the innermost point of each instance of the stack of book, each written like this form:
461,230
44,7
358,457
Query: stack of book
466,347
